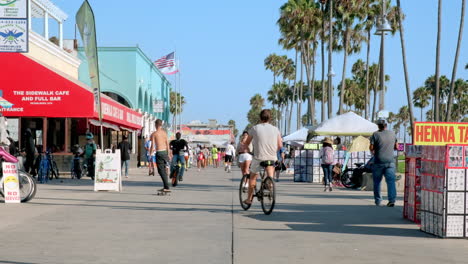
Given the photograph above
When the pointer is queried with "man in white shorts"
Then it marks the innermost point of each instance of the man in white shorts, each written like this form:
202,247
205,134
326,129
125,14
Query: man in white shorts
266,140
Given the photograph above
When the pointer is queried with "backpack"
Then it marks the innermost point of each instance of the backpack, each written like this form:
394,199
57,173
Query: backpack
327,157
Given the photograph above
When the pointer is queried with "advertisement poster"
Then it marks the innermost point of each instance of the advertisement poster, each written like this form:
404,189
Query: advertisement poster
440,134
13,35
11,182
13,8
108,171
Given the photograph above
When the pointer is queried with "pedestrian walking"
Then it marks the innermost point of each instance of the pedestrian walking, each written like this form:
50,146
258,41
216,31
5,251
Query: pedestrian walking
125,150
160,146
149,157
327,155
214,156
230,155
280,166
30,149
206,156
383,143
90,154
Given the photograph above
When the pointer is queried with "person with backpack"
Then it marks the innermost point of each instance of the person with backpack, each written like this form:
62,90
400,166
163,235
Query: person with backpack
328,159
125,150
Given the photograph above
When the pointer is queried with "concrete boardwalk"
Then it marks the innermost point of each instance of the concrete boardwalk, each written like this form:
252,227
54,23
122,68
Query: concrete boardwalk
202,222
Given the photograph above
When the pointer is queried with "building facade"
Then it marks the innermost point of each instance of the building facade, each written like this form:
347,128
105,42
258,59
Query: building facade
128,76
211,133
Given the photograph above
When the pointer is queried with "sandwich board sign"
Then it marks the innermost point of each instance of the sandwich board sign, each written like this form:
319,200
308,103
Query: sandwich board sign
108,171
11,182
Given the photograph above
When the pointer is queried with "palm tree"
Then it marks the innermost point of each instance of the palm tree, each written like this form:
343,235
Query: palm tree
351,36
273,63
403,117
177,102
455,63
421,97
256,104
405,68
437,70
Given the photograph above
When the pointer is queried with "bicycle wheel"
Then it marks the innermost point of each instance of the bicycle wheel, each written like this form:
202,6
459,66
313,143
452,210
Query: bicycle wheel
28,186
244,192
268,194
346,178
175,177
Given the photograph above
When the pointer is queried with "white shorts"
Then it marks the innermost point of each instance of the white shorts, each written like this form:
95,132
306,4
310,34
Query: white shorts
244,157
255,166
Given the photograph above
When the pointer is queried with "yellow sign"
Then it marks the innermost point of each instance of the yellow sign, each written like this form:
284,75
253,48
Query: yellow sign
440,134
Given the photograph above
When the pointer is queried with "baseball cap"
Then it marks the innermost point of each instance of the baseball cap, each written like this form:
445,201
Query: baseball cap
381,122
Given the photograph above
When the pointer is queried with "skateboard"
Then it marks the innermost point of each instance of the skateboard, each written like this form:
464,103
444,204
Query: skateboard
163,193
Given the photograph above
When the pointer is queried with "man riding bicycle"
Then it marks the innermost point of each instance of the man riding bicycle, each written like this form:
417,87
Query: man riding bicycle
266,140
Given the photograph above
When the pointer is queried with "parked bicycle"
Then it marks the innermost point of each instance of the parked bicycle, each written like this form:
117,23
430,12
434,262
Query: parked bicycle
266,194
27,184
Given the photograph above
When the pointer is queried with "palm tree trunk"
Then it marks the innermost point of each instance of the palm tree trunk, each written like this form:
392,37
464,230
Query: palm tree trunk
299,102
312,88
437,71
343,80
330,60
366,104
455,63
294,95
308,63
323,63
405,68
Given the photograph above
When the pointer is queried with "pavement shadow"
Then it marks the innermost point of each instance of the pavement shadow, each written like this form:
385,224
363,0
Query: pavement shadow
345,219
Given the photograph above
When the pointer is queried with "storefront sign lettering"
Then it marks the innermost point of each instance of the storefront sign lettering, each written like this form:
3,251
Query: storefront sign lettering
440,134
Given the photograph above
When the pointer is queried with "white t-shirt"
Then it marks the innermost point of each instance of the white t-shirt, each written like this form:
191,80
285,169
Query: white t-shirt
265,141
230,150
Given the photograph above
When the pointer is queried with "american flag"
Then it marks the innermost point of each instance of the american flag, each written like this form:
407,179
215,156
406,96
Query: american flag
167,64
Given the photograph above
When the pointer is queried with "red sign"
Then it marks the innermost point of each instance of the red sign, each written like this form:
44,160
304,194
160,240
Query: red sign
119,114
31,89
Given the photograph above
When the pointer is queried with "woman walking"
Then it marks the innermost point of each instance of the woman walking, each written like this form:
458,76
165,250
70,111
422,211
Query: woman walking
328,159
214,156
245,155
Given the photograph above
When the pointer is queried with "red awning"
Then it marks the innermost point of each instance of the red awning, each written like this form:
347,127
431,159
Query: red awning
30,89
33,90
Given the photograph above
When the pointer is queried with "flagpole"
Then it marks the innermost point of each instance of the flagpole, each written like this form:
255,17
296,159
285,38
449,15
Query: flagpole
180,95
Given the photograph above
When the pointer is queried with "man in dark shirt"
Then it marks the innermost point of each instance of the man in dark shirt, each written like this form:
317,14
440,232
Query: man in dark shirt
382,144
125,150
178,147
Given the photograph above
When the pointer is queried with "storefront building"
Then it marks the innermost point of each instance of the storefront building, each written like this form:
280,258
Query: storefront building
129,77
41,92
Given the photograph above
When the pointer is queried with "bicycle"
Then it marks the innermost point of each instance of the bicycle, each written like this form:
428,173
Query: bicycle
266,194
27,184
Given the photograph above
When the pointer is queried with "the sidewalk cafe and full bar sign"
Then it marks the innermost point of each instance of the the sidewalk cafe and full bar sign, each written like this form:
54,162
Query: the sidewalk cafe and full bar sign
440,134
48,101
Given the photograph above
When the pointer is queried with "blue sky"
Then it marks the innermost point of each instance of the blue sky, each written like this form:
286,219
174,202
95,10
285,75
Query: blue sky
222,45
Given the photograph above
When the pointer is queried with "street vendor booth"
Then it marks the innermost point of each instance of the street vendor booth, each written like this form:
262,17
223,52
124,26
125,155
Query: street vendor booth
436,191
307,162
57,108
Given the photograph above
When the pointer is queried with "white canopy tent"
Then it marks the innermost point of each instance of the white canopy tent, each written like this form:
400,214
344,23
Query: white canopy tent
349,124
300,135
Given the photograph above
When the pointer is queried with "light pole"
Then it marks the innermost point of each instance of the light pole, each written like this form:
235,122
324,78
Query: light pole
382,27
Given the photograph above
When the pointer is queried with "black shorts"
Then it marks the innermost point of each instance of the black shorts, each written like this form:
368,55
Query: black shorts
228,158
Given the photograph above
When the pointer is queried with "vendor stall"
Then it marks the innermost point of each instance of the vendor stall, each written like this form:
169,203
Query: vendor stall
307,163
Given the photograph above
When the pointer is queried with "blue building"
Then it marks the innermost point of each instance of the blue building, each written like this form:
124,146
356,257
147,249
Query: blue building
128,76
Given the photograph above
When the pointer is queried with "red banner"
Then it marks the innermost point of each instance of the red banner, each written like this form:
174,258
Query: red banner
119,114
29,89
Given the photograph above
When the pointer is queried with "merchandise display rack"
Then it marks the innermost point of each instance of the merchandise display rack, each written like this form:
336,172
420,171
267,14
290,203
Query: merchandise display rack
412,194
307,163
444,191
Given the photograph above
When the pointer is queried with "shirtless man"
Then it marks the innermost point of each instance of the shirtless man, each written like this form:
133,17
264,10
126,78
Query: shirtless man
159,139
